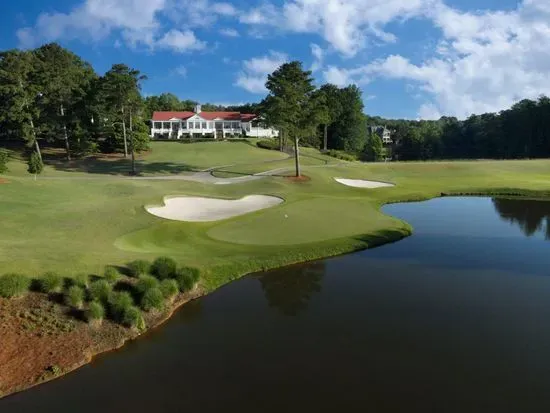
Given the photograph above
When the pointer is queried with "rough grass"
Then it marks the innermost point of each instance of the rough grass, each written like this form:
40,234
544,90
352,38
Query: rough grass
81,222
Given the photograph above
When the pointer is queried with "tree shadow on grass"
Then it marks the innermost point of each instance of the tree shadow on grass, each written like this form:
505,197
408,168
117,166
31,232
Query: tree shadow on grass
116,166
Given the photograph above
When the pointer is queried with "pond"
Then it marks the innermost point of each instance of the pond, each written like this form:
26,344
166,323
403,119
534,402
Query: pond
455,318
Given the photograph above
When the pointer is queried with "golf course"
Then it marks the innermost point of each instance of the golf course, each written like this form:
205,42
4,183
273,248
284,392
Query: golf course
79,217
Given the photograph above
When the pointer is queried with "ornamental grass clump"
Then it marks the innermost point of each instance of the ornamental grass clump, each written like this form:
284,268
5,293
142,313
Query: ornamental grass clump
75,296
187,278
95,312
111,274
152,299
82,280
50,283
145,283
139,267
14,285
163,268
169,289
133,318
119,303
100,291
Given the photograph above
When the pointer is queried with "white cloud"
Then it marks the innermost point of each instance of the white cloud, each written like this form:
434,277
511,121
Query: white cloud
485,62
345,25
318,57
181,71
229,32
254,74
224,9
180,41
337,76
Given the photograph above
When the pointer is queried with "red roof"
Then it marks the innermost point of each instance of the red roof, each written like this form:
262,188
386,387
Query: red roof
165,116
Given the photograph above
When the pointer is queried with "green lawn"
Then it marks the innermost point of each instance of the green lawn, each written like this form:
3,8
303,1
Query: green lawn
81,217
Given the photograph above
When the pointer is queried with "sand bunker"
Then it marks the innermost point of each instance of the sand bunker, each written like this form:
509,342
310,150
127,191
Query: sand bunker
199,209
361,183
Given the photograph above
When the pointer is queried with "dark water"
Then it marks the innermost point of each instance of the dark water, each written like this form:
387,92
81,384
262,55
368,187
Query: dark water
453,319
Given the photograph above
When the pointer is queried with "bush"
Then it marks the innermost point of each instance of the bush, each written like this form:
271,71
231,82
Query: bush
133,318
75,296
341,155
13,285
50,283
100,290
169,288
139,267
35,165
111,274
187,277
82,280
270,144
164,267
4,157
119,303
152,299
96,311
145,283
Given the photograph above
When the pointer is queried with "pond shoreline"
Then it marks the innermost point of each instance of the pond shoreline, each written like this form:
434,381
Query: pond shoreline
123,335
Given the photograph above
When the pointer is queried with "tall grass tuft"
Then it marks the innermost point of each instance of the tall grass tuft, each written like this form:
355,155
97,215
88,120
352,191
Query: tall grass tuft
100,290
75,296
82,280
111,274
164,267
139,267
14,285
169,289
119,303
95,312
145,283
133,318
152,299
187,278
50,283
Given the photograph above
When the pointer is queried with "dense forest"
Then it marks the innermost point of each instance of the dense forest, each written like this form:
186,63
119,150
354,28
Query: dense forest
50,96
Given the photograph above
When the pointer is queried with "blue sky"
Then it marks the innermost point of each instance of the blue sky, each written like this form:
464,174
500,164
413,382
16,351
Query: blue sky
411,58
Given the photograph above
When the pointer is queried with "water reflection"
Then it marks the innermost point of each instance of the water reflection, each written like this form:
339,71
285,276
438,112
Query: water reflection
531,216
290,289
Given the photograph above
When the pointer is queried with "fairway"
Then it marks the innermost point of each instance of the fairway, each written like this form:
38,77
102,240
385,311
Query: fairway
71,221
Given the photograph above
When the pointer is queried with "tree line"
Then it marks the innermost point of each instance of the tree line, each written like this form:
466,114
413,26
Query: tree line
523,131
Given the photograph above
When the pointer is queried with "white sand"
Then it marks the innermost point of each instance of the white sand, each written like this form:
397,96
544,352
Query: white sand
361,183
199,209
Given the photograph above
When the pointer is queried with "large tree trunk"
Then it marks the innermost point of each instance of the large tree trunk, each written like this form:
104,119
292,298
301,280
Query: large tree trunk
281,147
297,157
132,146
325,141
36,145
124,134
67,145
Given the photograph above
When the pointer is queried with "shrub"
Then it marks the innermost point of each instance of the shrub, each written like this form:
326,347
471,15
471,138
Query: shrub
187,277
35,165
270,144
133,318
164,267
82,280
100,290
145,283
169,288
50,283
13,285
341,155
111,274
152,299
95,312
4,157
139,267
75,296
119,303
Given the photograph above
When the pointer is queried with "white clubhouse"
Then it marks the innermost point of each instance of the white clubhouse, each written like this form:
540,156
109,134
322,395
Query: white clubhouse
216,125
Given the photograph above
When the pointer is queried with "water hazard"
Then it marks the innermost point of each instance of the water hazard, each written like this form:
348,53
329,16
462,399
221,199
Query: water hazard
455,318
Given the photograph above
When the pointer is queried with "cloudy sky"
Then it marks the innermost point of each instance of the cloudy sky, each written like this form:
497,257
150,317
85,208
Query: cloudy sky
411,58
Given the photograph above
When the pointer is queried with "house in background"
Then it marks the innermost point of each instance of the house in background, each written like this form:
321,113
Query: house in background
383,132
216,125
